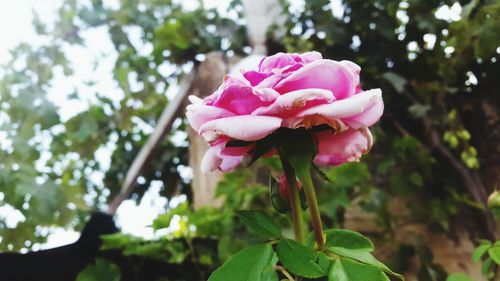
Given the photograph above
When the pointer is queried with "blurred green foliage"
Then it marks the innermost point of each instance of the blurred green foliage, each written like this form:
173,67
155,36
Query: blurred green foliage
100,270
436,149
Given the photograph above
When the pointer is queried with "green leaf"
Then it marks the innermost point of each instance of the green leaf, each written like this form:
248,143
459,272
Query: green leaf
118,241
299,259
270,273
494,253
260,223
480,251
484,242
459,276
345,269
397,81
151,250
247,265
324,262
100,270
348,239
363,257
486,267
163,221
419,110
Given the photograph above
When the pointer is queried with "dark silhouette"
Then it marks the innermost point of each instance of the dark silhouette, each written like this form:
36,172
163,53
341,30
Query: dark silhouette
61,263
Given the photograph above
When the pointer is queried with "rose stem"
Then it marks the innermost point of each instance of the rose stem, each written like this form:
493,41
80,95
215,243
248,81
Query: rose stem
304,175
295,206
283,270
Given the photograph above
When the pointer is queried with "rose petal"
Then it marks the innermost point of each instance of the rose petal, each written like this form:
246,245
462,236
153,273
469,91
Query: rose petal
308,57
199,114
214,159
266,94
287,70
348,146
239,99
356,69
293,101
237,150
277,60
228,80
269,82
230,162
211,160
195,100
243,127
254,77
311,121
331,75
233,156
360,110
366,119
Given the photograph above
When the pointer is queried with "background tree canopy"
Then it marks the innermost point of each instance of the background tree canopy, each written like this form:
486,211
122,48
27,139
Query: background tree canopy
436,153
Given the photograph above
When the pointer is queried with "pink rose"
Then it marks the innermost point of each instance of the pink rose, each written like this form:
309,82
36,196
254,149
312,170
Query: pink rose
291,91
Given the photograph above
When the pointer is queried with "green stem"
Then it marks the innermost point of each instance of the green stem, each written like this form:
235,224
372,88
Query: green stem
295,207
193,258
304,175
286,273
297,213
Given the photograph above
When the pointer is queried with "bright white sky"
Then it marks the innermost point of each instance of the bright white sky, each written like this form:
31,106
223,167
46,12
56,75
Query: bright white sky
15,27
15,21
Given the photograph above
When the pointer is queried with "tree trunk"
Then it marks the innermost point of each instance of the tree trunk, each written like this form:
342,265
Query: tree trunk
209,76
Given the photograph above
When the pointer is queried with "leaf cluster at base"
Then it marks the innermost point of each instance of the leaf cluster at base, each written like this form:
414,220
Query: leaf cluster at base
347,256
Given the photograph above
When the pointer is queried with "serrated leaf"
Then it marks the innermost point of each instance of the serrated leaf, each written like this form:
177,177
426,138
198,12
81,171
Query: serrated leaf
260,223
247,265
345,269
494,253
299,259
479,252
363,257
270,273
459,276
324,262
348,239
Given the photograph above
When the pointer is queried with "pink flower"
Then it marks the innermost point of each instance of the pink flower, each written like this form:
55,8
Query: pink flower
290,91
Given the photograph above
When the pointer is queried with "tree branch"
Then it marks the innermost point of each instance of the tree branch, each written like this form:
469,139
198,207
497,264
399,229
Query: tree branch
164,125
471,180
